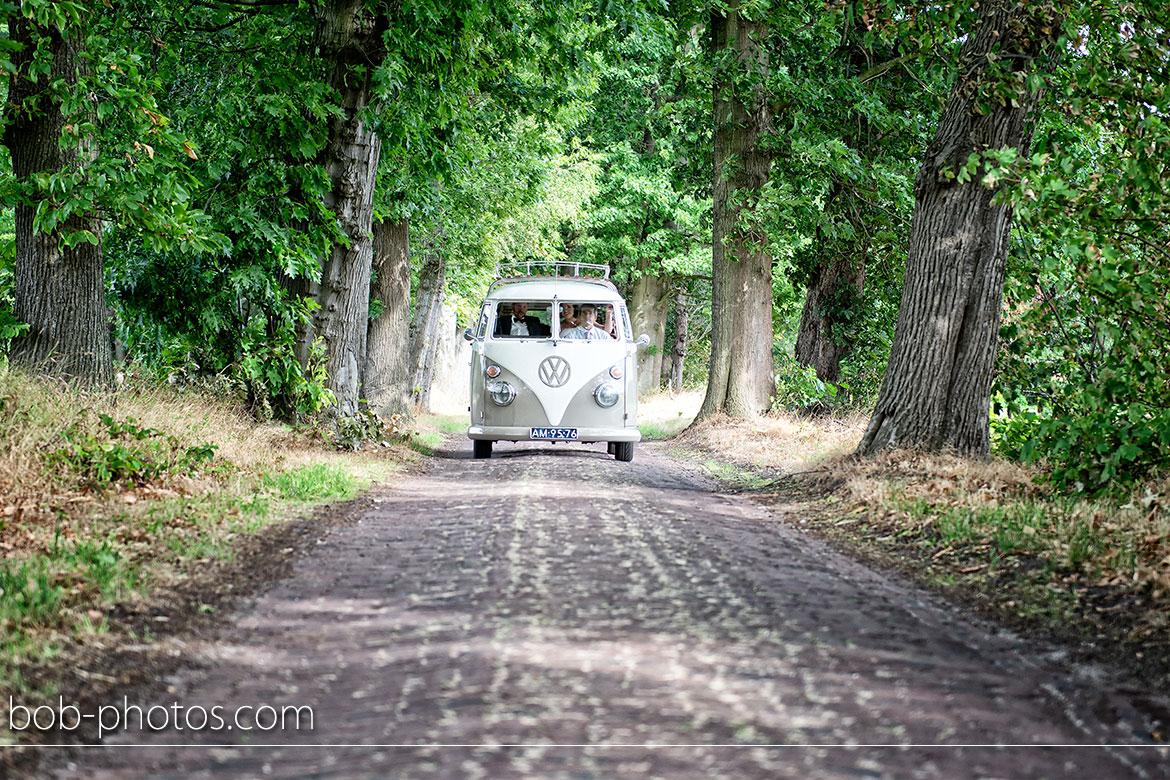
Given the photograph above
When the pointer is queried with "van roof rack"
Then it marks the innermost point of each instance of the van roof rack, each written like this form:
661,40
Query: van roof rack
551,270
536,269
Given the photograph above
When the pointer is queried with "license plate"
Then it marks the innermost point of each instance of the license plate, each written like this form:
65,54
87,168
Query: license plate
553,434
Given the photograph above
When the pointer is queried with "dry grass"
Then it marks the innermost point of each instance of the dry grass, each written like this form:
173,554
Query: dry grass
1004,508
75,541
991,526
197,418
778,441
36,416
929,477
661,415
252,447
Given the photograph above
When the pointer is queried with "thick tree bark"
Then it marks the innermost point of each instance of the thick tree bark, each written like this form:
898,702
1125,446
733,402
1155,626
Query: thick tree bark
425,325
816,343
350,40
387,376
648,307
678,354
741,378
59,292
936,391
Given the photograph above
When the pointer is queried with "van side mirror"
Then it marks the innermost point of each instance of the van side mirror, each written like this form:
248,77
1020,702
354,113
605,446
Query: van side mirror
643,340
468,335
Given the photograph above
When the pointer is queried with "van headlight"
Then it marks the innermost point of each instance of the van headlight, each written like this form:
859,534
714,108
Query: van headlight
606,395
502,393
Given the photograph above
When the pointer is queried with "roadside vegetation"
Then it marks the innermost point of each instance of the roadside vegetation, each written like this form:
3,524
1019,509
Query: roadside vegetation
108,501
1001,536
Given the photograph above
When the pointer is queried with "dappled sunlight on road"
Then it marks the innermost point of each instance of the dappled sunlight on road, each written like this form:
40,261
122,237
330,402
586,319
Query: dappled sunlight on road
551,602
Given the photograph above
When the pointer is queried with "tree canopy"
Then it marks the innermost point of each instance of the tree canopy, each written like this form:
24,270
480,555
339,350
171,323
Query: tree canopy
955,217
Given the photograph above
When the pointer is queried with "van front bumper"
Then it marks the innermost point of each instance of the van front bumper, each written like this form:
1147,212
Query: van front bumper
584,435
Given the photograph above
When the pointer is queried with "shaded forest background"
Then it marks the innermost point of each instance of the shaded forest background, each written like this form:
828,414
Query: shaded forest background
952,216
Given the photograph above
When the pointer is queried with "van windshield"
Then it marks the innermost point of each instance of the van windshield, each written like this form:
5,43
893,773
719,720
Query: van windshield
572,320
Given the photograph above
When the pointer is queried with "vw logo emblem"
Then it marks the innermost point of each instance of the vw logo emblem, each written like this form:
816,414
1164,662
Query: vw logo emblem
554,371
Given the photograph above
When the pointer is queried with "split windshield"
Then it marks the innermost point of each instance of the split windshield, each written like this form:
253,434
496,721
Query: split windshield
571,320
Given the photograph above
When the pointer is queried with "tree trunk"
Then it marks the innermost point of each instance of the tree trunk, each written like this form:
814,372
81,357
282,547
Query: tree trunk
741,378
936,391
424,327
60,292
682,316
648,307
449,375
387,379
350,40
816,343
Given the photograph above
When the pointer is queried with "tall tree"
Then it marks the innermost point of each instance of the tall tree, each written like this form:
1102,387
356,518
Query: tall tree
88,148
649,303
740,380
863,106
936,391
350,40
60,290
428,310
678,350
832,285
387,375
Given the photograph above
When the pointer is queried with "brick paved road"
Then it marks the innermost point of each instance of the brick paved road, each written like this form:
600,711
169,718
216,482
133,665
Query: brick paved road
551,596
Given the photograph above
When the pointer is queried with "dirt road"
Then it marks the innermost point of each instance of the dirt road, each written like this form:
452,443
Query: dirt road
551,613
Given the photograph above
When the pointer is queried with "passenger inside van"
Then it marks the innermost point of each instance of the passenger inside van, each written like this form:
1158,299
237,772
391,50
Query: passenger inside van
568,317
588,329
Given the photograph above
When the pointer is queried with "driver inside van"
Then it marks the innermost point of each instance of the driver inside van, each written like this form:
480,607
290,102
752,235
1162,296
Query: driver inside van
588,329
520,324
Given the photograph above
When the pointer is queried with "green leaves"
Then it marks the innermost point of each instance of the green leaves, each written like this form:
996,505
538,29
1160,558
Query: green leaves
10,327
126,453
650,214
1089,277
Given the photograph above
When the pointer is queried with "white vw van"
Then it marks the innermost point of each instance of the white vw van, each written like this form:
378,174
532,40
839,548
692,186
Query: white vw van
553,359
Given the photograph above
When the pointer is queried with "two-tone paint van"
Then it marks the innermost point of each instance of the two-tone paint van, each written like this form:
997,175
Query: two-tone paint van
553,359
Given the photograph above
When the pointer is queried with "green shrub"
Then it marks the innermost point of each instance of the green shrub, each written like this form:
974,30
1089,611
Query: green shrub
1101,420
799,390
275,381
127,453
10,327
353,431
